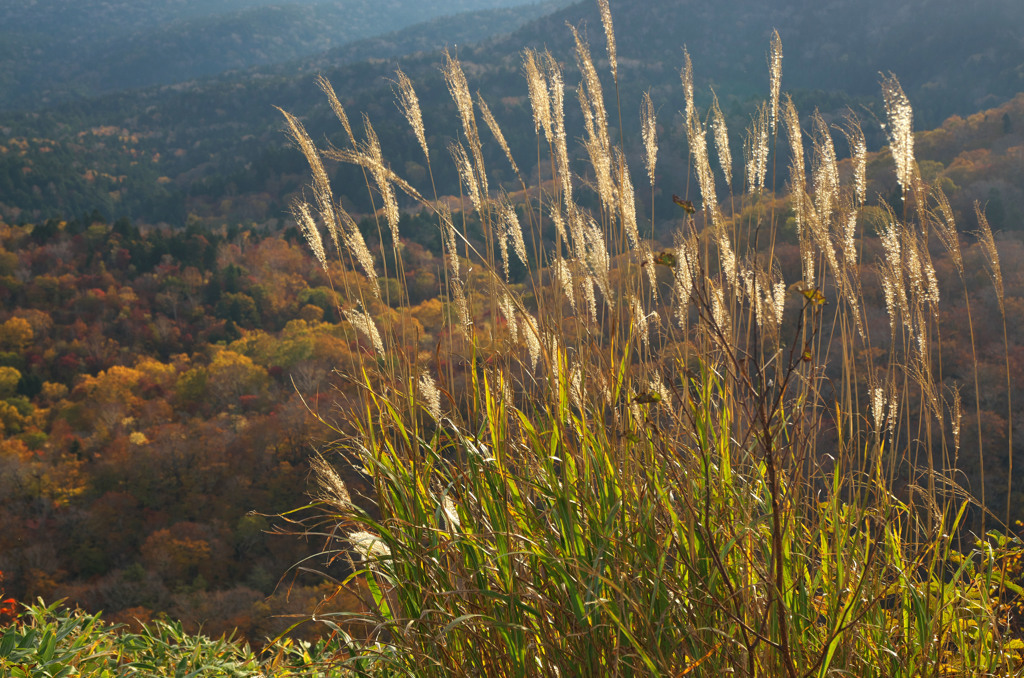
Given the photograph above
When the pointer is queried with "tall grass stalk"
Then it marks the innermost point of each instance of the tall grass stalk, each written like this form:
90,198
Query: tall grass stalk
659,460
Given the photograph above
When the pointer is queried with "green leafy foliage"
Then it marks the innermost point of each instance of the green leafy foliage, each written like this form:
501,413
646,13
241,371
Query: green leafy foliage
51,642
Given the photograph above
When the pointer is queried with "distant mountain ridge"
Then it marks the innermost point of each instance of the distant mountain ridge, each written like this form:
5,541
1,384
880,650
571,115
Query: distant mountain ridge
58,50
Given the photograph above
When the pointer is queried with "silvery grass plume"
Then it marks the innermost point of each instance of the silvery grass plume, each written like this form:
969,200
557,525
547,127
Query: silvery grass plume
858,154
945,228
531,336
331,489
775,78
649,124
685,270
364,324
756,149
848,275
666,400
917,265
719,310
597,150
900,131
627,205
374,159
686,75
627,200
893,287
930,281
469,178
537,85
511,228
721,134
451,514
576,393
321,184
609,32
455,283
356,245
559,221
459,90
754,291
409,104
779,299
339,110
330,213
819,236
589,282
727,260
798,187
556,94
642,320
593,102
449,238
307,225
368,546
492,125
369,157
596,254
988,245
696,135
825,171
431,395
848,221
798,172
884,407
563,276
502,234
508,309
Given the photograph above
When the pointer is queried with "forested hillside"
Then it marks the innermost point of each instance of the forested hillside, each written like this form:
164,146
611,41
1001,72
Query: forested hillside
155,393
214,149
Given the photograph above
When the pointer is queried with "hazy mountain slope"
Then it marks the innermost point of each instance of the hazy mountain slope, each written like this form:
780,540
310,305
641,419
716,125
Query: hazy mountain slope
53,51
220,152
951,56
